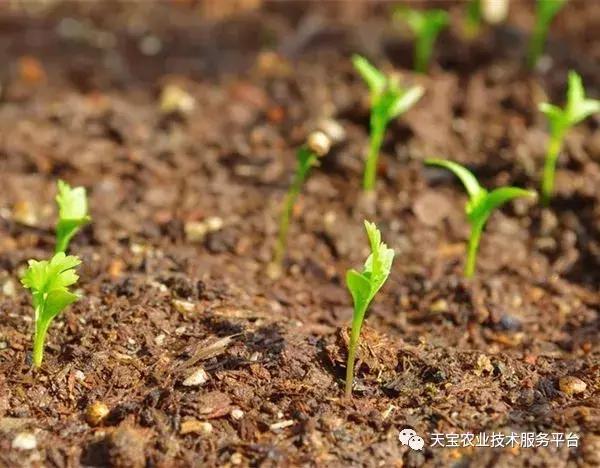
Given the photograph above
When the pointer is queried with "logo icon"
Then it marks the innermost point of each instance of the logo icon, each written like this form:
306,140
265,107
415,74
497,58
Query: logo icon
409,437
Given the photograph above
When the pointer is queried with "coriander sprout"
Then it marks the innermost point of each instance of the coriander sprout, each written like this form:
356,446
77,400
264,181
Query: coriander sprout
480,206
388,101
425,25
545,12
318,144
561,120
72,214
363,286
49,283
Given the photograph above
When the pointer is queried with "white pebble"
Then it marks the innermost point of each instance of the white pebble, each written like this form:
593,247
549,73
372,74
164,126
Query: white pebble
199,377
24,441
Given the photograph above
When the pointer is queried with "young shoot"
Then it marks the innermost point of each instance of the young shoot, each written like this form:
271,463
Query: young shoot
425,25
545,12
480,205
49,283
388,101
363,286
560,121
72,214
473,18
318,145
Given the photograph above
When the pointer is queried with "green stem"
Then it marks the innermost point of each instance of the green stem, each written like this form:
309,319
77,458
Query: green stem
377,131
61,244
284,223
354,337
552,154
536,45
474,238
423,48
38,341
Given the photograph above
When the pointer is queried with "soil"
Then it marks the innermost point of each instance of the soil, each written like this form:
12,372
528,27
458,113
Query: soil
80,89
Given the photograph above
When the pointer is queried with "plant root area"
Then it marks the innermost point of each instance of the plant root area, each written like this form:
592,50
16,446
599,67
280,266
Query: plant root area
183,350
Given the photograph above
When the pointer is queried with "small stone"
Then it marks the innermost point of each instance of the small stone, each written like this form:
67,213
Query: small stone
189,426
159,340
236,459
183,306
174,99
237,414
96,413
8,288
79,375
196,231
281,425
484,365
24,441
439,306
571,385
197,378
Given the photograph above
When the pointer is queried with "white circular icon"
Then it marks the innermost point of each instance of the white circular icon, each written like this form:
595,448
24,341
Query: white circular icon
416,442
405,435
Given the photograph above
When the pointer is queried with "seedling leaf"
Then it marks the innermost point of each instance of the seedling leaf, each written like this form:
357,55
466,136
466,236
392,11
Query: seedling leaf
72,214
49,283
546,10
560,120
363,286
480,205
388,101
426,26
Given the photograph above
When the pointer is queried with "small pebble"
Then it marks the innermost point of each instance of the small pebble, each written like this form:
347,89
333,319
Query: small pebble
237,414
24,441
96,413
183,306
194,426
571,385
199,377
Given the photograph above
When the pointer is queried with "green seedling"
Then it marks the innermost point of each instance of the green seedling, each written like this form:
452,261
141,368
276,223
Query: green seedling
306,159
363,287
388,101
49,283
480,206
546,10
72,214
473,18
426,26
560,121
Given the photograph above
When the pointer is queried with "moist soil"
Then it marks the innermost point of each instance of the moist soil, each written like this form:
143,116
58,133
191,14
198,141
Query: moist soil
174,274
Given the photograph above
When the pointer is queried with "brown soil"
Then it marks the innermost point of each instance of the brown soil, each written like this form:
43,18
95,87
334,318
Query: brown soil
439,353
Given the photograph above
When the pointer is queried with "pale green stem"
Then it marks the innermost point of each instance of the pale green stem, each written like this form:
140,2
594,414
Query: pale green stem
423,49
61,244
475,236
554,147
284,224
354,337
39,339
377,132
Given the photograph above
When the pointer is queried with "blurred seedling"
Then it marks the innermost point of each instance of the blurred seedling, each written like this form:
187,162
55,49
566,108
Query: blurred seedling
363,286
318,145
49,283
426,26
560,121
480,205
72,214
388,101
545,12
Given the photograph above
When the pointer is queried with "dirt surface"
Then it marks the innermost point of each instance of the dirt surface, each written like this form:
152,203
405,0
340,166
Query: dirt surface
200,359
